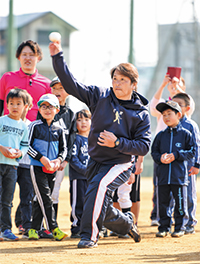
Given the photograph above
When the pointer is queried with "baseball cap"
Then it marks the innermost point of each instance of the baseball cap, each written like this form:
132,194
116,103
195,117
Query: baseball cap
50,98
54,81
168,105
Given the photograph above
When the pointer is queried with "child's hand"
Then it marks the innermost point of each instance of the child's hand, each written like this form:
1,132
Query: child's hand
193,171
131,179
46,162
167,158
63,165
7,153
55,164
16,154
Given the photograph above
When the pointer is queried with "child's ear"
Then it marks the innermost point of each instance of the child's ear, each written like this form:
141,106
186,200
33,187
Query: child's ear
179,115
187,108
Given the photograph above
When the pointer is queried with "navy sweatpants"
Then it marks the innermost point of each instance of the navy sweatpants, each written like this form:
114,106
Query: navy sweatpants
77,197
180,211
43,184
98,209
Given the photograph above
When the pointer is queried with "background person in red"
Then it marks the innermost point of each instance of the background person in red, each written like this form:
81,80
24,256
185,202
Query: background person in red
29,54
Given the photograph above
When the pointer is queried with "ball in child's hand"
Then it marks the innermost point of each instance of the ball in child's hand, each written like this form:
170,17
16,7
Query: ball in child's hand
12,150
54,36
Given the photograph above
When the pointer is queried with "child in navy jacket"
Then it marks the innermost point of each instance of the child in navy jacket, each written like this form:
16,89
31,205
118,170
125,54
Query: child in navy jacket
171,150
77,170
193,167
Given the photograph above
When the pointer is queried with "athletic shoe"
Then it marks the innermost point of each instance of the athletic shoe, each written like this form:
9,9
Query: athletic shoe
44,233
25,234
154,222
33,234
178,233
58,234
21,230
133,232
161,234
103,233
189,230
1,238
87,244
8,235
75,235
113,233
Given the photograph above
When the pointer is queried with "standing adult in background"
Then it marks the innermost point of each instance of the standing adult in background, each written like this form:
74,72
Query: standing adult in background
29,54
120,128
174,87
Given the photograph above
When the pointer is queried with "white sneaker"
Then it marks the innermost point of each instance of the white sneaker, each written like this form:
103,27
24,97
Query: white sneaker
154,222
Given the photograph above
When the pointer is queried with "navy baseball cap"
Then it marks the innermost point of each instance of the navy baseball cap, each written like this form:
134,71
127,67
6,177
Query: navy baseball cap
54,81
50,98
168,105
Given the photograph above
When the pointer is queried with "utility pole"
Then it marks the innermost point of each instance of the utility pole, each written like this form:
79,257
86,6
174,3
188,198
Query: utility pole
10,39
196,49
131,58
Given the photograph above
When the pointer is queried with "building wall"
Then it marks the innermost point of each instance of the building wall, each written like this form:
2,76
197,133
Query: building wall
46,24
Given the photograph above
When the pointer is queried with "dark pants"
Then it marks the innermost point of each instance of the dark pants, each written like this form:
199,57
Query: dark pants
24,210
180,211
77,197
8,178
43,184
98,209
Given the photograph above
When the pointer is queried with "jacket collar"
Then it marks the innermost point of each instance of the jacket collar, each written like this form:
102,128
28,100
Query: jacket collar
175,129
23,74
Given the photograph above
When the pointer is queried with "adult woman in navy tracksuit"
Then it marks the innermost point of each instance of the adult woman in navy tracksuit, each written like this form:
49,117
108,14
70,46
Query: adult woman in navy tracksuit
120,128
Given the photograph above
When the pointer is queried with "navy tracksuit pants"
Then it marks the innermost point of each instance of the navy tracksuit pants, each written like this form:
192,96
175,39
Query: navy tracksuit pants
98,209
180,211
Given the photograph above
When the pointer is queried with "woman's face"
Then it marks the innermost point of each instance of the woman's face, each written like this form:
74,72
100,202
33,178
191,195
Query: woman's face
28,60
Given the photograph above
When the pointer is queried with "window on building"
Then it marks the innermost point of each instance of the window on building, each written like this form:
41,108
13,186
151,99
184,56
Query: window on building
2,42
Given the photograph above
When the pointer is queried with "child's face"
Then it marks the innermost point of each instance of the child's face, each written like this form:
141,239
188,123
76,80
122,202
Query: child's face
83,124
15,107
60,93
48,111
170,118
182,104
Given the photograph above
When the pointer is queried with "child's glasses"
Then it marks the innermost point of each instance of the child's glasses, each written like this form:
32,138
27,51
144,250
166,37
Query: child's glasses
44,107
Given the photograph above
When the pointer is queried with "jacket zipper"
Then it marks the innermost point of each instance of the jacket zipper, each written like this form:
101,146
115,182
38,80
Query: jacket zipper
170,150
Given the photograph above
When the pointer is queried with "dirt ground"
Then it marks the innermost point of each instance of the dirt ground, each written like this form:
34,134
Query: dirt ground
149,250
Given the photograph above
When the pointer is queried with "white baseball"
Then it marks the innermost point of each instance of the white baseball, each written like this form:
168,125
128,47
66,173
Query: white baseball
12,150
165,157
52,165
54,36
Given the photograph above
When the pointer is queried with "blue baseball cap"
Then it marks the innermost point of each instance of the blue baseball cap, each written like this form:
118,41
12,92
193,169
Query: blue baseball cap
50,98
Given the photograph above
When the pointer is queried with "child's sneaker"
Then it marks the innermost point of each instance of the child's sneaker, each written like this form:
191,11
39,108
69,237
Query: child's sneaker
21,230
58,234
178,233
25,234
33,235
8,235
161,234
